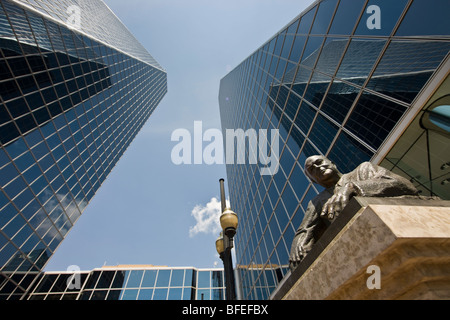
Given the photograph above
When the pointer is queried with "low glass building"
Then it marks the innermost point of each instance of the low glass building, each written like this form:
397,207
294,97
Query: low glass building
354,80
131,283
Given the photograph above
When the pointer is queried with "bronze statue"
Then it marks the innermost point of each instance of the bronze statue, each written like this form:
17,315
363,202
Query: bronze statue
367,180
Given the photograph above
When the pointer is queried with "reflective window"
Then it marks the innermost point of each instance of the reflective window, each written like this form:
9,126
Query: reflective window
297,48
129,294
359,59
316,89
119,279
373,118
279,44
190,278
160,294
347,153
217,279
203,294
440,116
92,280
188,294
289,39
217,294
305,117
149,278
134,278
204,279
163,278
300,81
346,16
306,20
323,16
380,17
176,279
339,99
331,54
406,66
434,19
145,294
175,293
311,51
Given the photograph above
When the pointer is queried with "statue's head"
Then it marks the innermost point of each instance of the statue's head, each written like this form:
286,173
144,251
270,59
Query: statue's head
322,171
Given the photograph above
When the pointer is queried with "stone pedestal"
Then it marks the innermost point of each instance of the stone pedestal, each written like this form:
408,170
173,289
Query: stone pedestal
378,249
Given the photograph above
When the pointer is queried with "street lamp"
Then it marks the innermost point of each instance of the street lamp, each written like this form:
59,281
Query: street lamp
229,222
219,244
224,244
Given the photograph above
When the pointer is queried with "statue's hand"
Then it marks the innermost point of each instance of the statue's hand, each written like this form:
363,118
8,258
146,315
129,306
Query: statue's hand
297,253
334,206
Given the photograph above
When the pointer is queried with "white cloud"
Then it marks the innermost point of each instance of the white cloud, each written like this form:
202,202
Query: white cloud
207,218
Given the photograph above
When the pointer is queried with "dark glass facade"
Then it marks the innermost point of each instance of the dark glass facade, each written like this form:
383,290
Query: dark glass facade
71,101
336,81
131,283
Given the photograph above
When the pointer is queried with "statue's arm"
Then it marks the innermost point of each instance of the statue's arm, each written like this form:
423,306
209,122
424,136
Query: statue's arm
306,234
367,180
381,182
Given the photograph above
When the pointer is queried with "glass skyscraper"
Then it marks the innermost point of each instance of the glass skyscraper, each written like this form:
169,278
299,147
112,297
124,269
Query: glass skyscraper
131,282
75,89
355,80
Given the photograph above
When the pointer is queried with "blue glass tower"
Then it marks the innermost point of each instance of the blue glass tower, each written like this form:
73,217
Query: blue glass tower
349,79
75,89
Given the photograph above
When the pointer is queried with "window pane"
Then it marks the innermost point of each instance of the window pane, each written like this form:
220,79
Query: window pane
177,278
187,292
359,59
129,294
317,88
175,293
297,48
204,278
105,279
217,279
311,51
149,278
323,17
113,295
347,153
433,19
163,278
160,294
134,280
189,279
119,279
145,294
331,55
93,280
373,118
406,66
346,16
339,99
305,22
217,294
203,294
387,15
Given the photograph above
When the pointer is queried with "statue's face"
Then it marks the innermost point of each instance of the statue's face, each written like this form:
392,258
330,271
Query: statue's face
322,171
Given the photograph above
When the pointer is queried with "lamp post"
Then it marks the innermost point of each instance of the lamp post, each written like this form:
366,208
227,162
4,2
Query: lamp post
224,244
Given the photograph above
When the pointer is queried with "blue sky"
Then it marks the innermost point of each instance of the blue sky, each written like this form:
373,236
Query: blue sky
149,210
